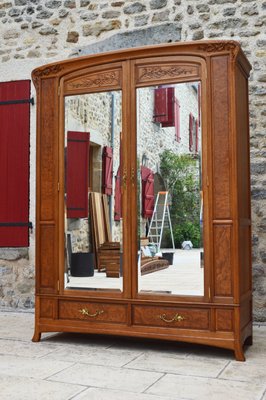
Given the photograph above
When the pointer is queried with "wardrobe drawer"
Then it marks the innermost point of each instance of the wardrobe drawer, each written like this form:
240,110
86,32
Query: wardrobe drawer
186,318
90,311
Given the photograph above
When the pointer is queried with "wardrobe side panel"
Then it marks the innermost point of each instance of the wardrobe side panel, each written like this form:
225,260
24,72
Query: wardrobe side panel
221,177
243,168
47,189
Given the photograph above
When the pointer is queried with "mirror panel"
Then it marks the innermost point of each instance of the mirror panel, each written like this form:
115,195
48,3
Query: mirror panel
93,216
170,200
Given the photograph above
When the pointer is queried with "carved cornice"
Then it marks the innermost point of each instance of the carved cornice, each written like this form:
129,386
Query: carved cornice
165,72
100,80
219,47
45,72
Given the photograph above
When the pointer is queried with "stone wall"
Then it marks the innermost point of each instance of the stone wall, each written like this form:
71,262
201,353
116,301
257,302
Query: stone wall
35,32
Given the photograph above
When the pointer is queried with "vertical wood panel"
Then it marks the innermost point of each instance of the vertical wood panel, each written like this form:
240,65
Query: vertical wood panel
220,133
48,267
222,260
49,149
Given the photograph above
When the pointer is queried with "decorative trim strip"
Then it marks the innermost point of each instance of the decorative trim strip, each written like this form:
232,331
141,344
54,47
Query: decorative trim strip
104,79
148,73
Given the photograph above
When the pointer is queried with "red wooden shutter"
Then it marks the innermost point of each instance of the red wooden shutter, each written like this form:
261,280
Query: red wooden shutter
118,208
14,163
191,119
147,178
177,121
160,105
107,171
170,94
197,137
77,169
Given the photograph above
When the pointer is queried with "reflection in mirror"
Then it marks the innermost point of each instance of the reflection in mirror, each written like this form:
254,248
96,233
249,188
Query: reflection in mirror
93,218
170,201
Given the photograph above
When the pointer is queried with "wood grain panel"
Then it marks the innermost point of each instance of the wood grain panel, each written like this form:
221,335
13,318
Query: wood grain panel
98,312
245,259
48,154
48,267
243,164
225,320
163,316
220,137
222,246
46,308
245,312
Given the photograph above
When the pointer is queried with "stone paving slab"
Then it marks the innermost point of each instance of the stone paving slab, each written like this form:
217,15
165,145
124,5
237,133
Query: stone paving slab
96,367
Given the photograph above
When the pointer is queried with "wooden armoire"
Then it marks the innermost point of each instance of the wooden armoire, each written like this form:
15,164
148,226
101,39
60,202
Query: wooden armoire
113,130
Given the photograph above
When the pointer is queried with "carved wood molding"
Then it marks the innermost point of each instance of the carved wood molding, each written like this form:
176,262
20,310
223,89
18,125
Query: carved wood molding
219,47
45,72
148,73
99,80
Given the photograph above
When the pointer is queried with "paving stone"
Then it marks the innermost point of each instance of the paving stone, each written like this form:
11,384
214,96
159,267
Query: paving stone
171,364
29,367
194,388
104,394
108,377
249,371
16,388
95,355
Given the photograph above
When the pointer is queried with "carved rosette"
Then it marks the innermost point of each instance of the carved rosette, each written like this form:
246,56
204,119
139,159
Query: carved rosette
165,72
100,80
45,72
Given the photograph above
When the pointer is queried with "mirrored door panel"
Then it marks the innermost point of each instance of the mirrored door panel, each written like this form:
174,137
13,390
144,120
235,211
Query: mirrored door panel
170,200
93,216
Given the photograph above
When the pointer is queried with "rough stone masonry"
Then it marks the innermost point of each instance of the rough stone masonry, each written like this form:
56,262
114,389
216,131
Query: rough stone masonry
35,32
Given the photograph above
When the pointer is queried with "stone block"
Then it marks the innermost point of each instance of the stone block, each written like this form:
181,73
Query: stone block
134,8
156,4
44,15
161,16
111,14
98,28
141,20
72,37
53,4
21,2
152,35
14,12
48,31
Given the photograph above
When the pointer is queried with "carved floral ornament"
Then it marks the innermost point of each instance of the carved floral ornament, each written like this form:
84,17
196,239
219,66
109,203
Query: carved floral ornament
111,78
46,72
164,72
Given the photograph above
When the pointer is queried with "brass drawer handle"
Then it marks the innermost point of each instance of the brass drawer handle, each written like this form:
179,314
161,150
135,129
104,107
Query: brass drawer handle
176,318
85,311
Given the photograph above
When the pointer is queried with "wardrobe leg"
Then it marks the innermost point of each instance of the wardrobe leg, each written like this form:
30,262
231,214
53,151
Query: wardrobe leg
239,353
36,336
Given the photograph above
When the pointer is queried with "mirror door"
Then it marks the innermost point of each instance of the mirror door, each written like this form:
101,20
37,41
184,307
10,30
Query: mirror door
170,253
93,198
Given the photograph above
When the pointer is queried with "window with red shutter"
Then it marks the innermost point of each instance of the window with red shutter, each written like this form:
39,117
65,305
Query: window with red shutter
117,208
147,178
160,105
170,95
107,170
77,174
14,163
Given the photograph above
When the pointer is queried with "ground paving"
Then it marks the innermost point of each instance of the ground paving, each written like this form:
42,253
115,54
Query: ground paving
87,367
